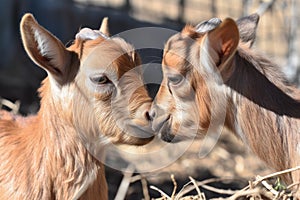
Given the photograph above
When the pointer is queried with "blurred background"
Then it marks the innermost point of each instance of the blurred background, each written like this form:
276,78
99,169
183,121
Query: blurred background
277,37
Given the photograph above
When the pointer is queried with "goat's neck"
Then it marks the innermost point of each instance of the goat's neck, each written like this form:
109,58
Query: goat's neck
262,131
55,124
266,123
266,134
70,160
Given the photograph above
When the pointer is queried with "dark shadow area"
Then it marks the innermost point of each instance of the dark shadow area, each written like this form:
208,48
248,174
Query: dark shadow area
253,85
152,69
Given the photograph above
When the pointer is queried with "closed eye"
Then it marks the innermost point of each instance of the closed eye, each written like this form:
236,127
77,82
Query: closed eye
175,79
100,79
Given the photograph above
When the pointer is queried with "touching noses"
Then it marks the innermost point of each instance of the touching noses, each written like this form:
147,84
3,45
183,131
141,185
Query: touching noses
157,116
144,112
147,115
156,111
152,111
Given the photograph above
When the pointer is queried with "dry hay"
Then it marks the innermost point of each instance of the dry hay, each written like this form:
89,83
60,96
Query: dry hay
268,187
13,107
260,188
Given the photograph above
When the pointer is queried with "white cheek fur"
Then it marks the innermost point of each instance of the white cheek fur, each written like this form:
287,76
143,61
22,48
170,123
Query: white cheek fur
103,89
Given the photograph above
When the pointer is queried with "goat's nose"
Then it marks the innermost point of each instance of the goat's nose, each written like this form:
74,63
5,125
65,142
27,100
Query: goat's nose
152,113
147,116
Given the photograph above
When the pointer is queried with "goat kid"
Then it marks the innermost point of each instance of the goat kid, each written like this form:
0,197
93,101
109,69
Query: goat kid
215,74
93,95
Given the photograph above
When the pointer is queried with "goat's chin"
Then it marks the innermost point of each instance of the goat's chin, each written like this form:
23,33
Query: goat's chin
137,141
172,138
171,130
137,135
170,135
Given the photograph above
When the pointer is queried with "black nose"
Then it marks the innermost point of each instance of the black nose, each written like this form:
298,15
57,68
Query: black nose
147,116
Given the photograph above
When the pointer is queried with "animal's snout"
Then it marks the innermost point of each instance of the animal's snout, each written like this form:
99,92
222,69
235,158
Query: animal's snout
144,112
147,115
152,113
158,117
155,111
160,122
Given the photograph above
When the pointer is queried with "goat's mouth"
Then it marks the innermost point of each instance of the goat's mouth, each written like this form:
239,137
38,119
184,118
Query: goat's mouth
140,135
160,122
162,126
166,134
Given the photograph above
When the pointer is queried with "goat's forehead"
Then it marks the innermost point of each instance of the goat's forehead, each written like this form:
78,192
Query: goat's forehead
182,42
107,50
181,51
104,59
108,56
174,63
176,53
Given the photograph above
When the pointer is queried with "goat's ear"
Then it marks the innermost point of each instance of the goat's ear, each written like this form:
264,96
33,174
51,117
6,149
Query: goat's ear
247,27
104,28
208,25
45,49
220,45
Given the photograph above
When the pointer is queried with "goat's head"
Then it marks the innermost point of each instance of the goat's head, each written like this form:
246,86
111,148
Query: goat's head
94,84
195,63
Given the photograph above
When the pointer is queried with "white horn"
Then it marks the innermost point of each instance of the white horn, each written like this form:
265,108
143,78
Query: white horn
104,26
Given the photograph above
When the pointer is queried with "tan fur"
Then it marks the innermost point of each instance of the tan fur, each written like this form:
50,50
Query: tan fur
261,108
45,156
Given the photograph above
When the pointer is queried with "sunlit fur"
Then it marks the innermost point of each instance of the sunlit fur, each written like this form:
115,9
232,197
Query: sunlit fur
45,156
126,101
261,107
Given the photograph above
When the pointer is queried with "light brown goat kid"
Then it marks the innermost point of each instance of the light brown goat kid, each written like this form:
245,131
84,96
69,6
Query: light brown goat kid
214,74
92,94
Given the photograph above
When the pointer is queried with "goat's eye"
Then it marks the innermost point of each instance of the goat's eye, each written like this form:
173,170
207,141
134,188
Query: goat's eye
100,79
175,79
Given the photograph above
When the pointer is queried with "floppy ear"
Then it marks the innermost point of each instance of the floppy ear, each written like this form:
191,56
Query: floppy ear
247,26
45,49
220,45
104,28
